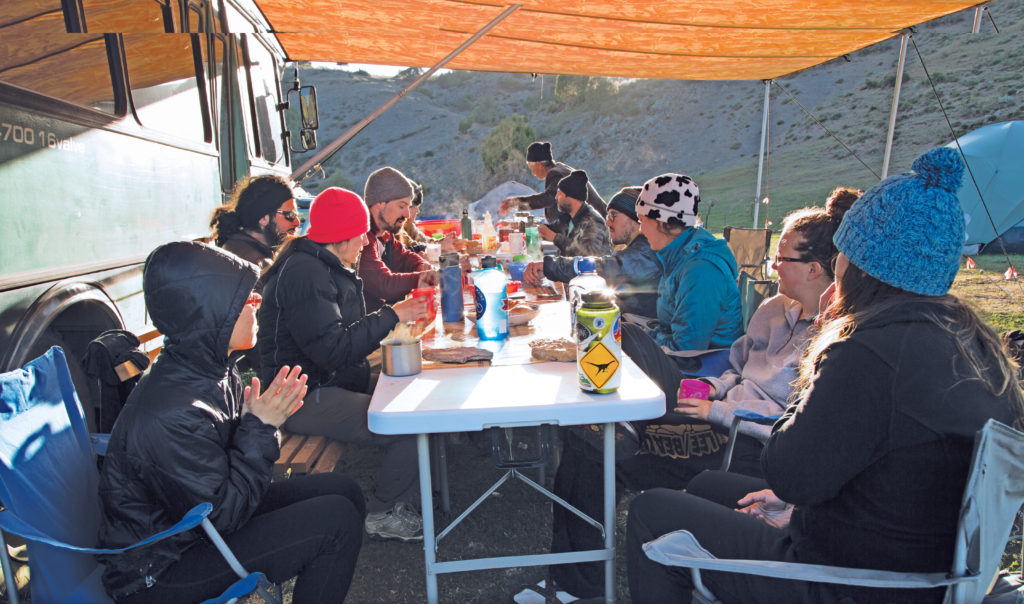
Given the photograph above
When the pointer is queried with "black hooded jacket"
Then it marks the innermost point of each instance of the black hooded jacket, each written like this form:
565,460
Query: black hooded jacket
313,315
180,440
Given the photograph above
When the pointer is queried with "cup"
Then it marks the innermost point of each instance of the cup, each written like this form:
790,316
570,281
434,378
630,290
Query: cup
433,252
516,270
512,287
689,388
516,243
401,356
430,294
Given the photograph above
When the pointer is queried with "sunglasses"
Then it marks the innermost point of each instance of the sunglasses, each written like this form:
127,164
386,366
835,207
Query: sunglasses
781,259
254,300
289,215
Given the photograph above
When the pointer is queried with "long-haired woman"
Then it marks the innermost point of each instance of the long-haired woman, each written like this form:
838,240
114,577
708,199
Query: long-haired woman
868,465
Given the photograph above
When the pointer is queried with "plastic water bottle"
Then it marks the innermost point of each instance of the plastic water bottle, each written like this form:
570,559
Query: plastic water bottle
488,235
451,288
532,239
491,301
586,280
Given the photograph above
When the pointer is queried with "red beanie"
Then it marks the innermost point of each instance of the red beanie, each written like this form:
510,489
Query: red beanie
336,215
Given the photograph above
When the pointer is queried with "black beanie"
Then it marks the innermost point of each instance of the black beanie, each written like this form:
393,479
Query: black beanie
539,151
624,202
575,185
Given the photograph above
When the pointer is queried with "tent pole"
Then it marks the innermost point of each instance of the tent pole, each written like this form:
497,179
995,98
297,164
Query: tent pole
976,27
760,155
329,150
895,104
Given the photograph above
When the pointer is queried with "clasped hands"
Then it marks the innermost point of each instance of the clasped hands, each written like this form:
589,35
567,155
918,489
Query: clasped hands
766,506
281,398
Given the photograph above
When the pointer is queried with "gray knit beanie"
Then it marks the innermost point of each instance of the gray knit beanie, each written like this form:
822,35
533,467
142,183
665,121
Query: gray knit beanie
386,184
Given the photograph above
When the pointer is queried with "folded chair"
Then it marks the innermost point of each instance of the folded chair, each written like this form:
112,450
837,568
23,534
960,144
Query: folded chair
49,489
991,499
750,247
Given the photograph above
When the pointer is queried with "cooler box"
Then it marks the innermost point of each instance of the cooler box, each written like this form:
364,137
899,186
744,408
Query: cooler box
439,225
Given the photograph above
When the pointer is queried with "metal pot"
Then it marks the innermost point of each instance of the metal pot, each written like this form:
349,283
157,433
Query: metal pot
401,356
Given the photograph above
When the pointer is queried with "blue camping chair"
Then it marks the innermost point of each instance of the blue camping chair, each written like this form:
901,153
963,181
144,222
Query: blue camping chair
993,495
49,489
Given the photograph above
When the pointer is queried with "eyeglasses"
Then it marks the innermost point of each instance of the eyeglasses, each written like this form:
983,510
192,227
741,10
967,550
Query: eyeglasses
254,300
289,215
781,259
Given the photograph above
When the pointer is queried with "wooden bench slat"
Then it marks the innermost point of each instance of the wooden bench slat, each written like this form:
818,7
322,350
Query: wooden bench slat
290,444
329,458
307,455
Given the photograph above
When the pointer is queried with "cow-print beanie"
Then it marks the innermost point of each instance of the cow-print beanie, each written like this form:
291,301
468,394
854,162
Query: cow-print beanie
670,198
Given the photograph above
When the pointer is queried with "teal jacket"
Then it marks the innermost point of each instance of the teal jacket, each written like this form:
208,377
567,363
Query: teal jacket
698,301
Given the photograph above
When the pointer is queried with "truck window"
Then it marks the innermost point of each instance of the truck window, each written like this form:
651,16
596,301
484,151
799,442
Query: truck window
264,76
165,91
37,54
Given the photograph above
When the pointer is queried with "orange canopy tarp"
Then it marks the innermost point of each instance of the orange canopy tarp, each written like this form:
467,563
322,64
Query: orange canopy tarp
703,40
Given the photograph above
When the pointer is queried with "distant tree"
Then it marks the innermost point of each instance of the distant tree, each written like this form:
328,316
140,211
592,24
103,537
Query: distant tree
506,143
571,89
335,178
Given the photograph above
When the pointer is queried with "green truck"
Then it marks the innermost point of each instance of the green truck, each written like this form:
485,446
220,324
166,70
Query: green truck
122,126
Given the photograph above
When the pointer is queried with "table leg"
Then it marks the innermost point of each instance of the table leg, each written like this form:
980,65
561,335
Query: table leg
609,511
427,505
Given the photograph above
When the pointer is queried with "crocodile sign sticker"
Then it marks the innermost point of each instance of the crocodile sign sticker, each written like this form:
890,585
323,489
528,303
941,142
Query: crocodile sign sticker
599,365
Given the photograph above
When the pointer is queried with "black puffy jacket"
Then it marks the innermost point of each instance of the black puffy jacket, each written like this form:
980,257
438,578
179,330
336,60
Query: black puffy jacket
313,315
179,440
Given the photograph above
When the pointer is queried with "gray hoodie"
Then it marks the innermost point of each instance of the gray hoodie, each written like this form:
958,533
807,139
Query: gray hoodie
763,365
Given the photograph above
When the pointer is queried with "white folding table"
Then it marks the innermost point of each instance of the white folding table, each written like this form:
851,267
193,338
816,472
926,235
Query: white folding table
462,399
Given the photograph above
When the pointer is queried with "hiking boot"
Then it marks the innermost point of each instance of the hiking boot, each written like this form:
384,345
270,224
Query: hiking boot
400,522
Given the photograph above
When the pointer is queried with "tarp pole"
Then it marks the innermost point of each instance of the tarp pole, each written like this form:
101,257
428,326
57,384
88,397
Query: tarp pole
760,155
895,104
329,150
976,27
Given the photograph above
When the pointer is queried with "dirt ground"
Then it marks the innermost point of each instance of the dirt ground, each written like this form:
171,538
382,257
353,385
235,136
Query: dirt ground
515,519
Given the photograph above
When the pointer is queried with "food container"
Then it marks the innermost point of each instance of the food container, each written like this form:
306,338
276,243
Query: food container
401,356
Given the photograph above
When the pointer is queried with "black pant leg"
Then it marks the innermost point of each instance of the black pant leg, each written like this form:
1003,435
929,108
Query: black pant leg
300,488
725,488
722,531
316,538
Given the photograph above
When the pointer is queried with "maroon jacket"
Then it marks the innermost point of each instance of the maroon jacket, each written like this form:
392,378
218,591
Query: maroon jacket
389,271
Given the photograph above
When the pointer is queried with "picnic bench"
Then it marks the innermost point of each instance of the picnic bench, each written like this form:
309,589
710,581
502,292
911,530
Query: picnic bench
300,453
304,454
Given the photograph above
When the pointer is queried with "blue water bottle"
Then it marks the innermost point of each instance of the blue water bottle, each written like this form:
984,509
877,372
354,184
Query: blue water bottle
451,288
491,301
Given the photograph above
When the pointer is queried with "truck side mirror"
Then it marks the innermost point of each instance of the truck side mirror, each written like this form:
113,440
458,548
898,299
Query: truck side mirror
307,137
307,108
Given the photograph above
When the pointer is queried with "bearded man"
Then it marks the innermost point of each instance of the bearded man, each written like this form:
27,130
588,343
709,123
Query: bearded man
258,218
388,269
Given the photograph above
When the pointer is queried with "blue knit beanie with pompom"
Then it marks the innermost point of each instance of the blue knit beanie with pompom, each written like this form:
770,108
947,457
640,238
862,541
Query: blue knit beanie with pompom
908,230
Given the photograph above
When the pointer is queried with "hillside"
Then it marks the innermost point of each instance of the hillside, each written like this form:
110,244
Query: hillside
626,131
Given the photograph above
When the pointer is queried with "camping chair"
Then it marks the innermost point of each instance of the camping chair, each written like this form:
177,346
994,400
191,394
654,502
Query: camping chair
750,247
993,494
739,416
49,487
752,293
